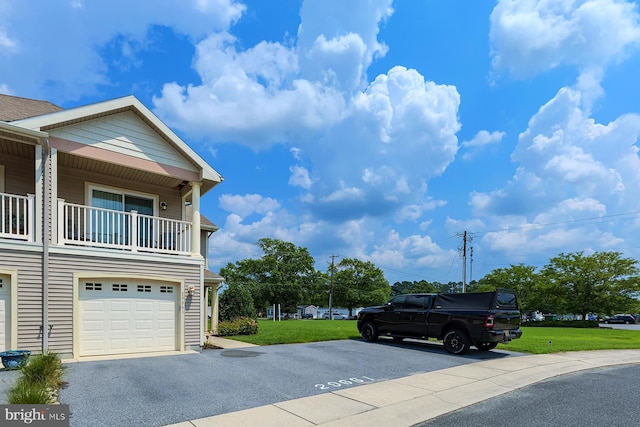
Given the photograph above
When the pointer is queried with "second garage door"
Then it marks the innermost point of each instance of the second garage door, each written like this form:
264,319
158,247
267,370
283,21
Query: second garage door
118,317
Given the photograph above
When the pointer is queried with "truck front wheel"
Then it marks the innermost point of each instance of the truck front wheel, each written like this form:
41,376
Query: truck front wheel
369,332
455,341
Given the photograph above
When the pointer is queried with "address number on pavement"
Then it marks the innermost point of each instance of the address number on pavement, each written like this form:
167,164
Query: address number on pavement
343,383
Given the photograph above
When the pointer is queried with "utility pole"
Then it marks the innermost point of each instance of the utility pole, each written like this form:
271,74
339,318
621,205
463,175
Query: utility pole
466,238
333,257
471,265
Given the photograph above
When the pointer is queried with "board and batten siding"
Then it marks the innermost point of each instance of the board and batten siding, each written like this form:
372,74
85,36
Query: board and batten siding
61,273
29,267
71,188
124,133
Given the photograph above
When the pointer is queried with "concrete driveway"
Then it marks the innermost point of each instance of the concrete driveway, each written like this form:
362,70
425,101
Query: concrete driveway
156,391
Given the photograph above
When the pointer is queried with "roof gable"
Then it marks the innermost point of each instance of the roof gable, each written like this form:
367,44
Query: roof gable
106,113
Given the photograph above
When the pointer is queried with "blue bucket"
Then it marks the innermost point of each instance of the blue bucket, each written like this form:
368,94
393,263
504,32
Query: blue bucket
14,359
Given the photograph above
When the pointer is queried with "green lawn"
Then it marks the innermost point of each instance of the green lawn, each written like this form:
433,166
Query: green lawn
298,331
534,340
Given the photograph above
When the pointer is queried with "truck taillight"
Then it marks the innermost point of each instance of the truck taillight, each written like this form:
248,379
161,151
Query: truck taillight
488,322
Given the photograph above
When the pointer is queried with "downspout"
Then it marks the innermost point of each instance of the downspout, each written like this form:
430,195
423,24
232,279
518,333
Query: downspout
46,227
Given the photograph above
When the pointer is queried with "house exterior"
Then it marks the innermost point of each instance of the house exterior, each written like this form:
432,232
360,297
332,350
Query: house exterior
102,242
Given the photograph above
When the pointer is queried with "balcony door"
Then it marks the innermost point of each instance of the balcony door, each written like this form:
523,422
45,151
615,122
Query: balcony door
111,224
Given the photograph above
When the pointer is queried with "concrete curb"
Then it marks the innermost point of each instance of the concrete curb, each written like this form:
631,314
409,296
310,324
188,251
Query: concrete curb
418,398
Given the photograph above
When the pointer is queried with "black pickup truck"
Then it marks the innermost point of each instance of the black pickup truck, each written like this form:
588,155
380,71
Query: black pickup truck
481,319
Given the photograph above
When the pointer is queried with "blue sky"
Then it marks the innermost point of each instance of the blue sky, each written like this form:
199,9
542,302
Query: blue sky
372,129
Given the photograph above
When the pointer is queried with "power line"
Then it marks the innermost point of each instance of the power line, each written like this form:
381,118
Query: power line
586,221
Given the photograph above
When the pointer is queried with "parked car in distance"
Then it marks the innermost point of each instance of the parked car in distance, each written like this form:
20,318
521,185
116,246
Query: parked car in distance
336,316
307,316
627,319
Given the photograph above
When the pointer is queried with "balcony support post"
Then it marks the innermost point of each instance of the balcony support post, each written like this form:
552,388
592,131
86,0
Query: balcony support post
195,220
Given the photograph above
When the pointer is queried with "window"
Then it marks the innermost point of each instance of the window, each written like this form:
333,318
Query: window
398,302
506,300
117,287
108,225
166,289
415,302
144,288
93,286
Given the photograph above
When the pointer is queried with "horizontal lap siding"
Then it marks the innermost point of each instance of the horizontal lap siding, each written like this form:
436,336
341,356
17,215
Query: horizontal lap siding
19,174
124,133
61,274
71,188
29,267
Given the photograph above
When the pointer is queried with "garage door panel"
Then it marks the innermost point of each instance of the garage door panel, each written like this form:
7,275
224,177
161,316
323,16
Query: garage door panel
115,321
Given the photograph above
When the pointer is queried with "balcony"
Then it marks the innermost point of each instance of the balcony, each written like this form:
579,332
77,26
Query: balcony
16,214
80,225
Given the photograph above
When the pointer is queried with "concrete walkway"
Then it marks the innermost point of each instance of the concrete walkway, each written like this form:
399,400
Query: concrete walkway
226,343
417,398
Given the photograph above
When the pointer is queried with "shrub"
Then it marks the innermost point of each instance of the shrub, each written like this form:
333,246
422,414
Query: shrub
238,326
236,301
40,380
563,324
26,393
44,370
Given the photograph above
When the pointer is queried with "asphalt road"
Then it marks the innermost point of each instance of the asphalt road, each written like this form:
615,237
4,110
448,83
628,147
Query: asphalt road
598,397
169,389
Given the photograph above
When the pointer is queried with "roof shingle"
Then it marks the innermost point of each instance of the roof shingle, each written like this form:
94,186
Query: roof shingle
16,108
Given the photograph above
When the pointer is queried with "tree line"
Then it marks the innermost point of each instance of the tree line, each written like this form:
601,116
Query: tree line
286,275
574,283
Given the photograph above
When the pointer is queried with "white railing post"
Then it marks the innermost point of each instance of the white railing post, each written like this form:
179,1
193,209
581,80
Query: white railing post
29,220
61,222
134,231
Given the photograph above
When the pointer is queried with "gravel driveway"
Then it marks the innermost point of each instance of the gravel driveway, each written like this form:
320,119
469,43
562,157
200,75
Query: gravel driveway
7,380
156,391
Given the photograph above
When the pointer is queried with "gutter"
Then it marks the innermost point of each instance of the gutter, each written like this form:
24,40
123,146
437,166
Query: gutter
46,228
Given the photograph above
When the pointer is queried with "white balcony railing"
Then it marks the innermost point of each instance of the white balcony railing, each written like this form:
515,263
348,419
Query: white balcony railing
16,214
96,227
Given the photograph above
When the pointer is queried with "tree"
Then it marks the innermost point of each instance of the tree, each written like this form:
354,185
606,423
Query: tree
282,276
603,282
359,283
236,302
522,278
406,287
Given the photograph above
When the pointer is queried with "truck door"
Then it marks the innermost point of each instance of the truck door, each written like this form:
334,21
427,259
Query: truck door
413,315
389,319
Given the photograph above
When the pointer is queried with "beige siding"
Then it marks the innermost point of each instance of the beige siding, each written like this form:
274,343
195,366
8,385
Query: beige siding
29,266
71,188
124,133
61,274
19,174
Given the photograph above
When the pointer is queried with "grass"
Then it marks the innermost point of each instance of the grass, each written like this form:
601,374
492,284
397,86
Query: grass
40,380
300,331
534,340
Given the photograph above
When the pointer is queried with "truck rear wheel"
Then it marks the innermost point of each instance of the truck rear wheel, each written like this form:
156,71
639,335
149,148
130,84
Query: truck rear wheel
455,341
486,346
369,332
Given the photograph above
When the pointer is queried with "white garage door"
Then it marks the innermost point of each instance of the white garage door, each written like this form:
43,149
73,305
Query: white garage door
5,328
127,317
